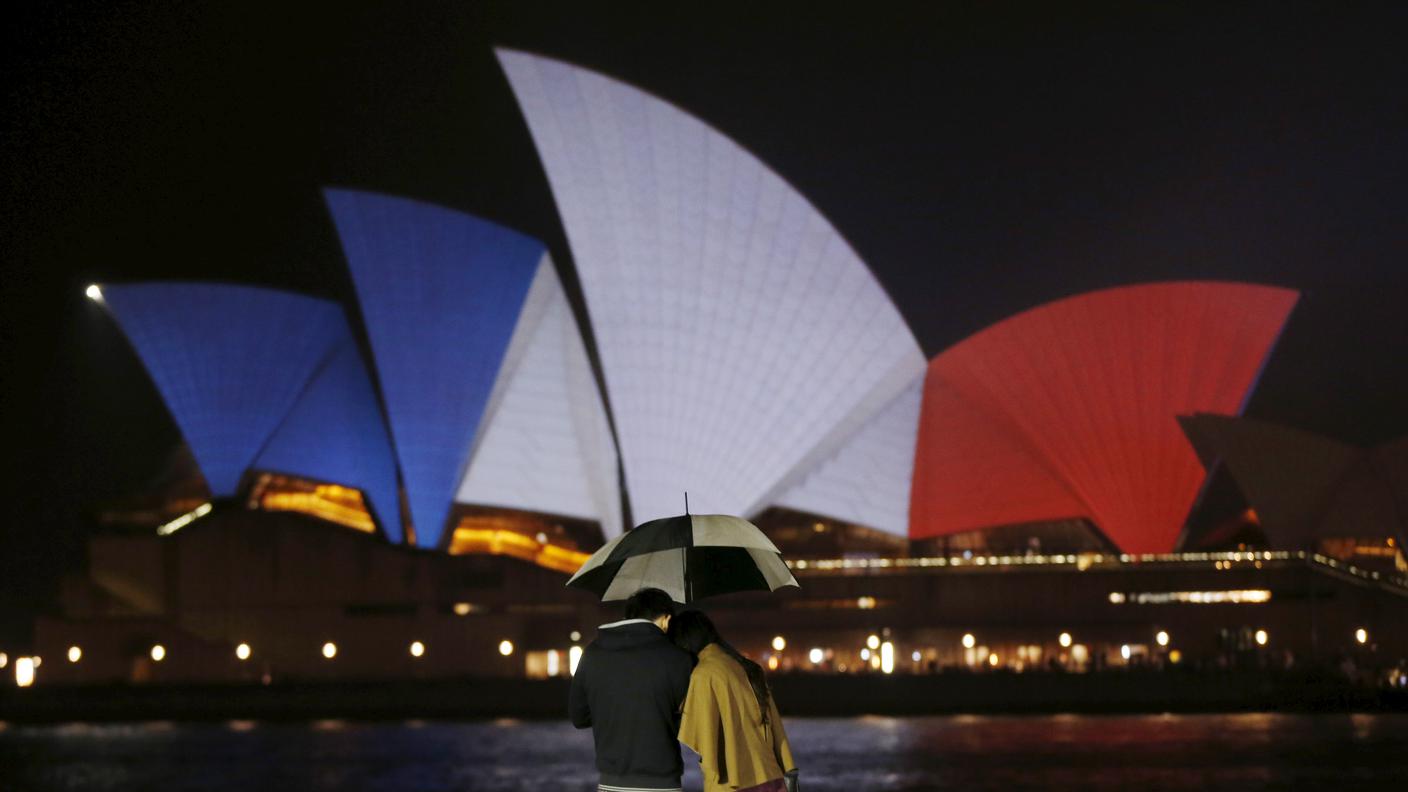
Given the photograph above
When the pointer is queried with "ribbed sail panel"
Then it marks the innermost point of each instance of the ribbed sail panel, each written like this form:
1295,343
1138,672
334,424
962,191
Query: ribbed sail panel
1289,477
867,480
336,433
987,473
1083,394
229,361
738,331
546,445
440,293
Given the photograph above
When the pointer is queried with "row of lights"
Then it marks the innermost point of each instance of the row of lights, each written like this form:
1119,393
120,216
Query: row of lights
817,655
244,652
25,666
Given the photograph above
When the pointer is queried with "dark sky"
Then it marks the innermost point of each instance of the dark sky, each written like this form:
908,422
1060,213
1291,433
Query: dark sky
982,157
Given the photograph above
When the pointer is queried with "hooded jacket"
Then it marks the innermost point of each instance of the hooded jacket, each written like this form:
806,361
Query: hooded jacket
629,689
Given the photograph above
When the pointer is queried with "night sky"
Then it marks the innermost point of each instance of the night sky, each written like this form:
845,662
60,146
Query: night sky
983,158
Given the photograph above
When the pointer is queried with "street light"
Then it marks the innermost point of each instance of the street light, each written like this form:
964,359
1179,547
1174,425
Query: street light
1361,635
75,654
24,671
94,292
505,647
329,650
1161,638
816,656
417,649
1064,640
779,643
1262,637
243,651
969,641
158,653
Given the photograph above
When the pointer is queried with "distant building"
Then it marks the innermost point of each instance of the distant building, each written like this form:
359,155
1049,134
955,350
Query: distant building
410,489
241,596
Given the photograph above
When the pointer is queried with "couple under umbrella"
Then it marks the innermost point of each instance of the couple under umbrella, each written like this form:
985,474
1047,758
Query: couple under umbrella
662,676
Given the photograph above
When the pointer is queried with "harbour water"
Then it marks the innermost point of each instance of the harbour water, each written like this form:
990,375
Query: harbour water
1052,752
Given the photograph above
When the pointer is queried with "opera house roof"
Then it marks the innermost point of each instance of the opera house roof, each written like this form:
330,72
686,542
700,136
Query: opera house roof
741,351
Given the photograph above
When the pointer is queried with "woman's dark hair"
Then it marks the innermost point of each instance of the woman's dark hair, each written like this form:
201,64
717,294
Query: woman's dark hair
692,631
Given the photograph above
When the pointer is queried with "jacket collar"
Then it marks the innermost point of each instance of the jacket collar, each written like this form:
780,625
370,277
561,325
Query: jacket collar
712,650
625,622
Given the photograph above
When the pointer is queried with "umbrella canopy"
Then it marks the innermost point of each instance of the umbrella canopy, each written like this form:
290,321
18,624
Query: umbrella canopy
689,557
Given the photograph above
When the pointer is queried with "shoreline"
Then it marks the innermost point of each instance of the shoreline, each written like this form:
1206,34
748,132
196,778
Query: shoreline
798,696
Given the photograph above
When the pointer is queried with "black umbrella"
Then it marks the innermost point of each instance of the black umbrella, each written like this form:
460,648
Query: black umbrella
690,557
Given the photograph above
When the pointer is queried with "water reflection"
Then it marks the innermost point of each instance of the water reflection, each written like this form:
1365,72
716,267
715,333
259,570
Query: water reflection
1061,752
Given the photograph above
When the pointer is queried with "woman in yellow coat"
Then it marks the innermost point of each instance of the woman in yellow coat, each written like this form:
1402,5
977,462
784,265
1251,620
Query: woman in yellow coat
729,716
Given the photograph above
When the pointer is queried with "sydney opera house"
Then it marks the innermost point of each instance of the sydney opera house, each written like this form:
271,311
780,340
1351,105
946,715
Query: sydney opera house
400,486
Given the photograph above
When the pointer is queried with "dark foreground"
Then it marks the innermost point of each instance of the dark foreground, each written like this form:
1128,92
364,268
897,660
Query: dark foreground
964,752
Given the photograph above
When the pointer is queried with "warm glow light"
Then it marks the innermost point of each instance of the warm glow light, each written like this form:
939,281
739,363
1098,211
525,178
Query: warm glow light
4,659
1175,656
779,643
418,650
242,651
816,656
1236,597
865,603
772,663
184,520
94,292
873,642
1125,652
462,608
887,657
494,541
574,656
75,654
38,661
1262,638
1161,638
993,659
158,653
1361,635
24,671
554,663
1064,640
329,650
969,641
505,648
575,636
334,503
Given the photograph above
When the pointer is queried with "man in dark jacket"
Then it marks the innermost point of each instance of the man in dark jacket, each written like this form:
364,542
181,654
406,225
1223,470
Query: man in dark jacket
629,687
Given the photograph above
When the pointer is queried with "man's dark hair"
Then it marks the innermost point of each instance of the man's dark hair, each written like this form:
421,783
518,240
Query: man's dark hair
649,603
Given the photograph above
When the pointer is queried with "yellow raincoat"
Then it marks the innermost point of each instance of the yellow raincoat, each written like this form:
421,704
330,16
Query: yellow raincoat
722,723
